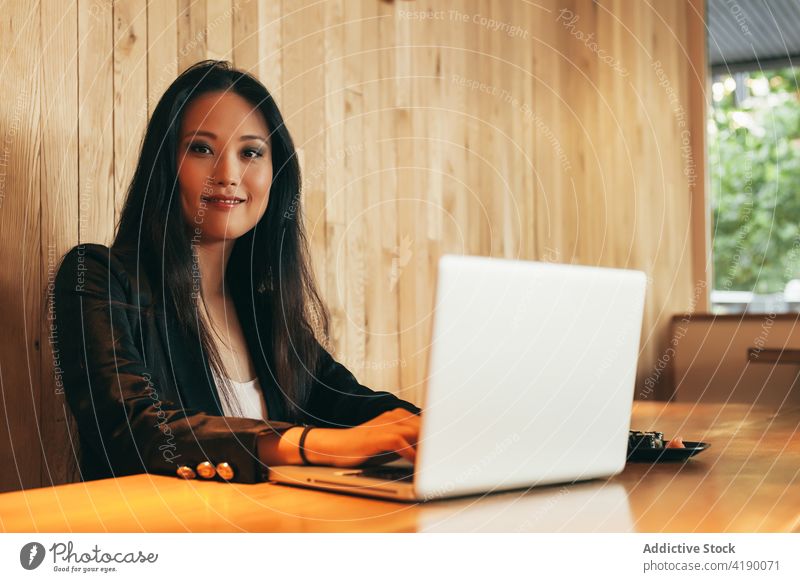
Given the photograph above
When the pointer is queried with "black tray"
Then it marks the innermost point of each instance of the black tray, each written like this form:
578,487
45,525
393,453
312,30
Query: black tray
648,455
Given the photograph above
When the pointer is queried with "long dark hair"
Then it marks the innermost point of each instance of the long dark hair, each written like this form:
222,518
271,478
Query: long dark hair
268,274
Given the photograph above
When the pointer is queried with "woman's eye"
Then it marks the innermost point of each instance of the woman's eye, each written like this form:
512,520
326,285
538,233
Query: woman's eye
257,153
196,147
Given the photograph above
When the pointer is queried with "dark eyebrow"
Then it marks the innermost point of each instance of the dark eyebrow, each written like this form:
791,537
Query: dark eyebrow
191,134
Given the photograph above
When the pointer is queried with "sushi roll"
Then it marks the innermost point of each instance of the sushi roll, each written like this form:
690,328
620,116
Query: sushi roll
645,440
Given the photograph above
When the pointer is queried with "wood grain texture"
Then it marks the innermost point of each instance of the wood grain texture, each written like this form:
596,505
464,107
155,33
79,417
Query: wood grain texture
21,135
162,49
192,32
95,122
59,232
747,481
226,35
550,131
130,93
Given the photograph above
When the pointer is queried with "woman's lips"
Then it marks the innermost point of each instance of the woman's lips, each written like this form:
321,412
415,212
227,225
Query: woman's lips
222,203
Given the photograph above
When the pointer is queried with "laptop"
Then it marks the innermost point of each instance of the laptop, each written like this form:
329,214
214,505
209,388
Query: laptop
530,382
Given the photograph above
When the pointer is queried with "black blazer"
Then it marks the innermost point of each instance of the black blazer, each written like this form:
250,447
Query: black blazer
142,391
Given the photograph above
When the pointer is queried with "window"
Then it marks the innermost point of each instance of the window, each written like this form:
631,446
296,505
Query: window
754,167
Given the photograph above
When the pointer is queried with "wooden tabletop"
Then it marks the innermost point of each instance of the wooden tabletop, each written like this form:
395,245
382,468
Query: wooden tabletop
747,481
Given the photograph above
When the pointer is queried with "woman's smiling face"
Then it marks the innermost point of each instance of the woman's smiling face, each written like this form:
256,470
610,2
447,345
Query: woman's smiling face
223,154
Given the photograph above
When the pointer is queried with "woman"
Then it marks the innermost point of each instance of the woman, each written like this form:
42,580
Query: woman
189,346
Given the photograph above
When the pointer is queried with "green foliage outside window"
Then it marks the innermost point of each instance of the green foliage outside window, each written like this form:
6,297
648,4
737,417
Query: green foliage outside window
754,163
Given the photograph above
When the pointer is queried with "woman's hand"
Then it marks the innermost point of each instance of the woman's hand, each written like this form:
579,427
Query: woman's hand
386,437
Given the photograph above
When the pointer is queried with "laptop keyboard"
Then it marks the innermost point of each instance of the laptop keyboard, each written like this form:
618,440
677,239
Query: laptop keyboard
390,473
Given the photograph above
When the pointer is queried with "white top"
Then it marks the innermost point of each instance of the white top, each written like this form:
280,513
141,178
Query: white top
250,398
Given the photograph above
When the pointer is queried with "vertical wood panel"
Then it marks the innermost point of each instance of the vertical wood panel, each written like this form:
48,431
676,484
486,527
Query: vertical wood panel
550,112
192,33
95,122
376,296
221,37
494,191
313,122
162,51
407,238
20,247
294,72
525,137
270,41
354,265
247,20
475,122
484,147
455,60
377,216
59,215
414,215
383,191
130,92
335,200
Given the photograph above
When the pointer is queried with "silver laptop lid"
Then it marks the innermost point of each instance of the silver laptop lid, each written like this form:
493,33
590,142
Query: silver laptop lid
531,370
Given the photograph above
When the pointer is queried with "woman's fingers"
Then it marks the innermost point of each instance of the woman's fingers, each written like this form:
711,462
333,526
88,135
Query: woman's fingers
397,443
389,435
411,434
404,448
408,430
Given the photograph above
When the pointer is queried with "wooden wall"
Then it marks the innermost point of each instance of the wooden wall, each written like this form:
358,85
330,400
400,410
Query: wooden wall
548,130
710,361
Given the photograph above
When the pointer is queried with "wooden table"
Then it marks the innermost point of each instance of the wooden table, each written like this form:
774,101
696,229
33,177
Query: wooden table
748,481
